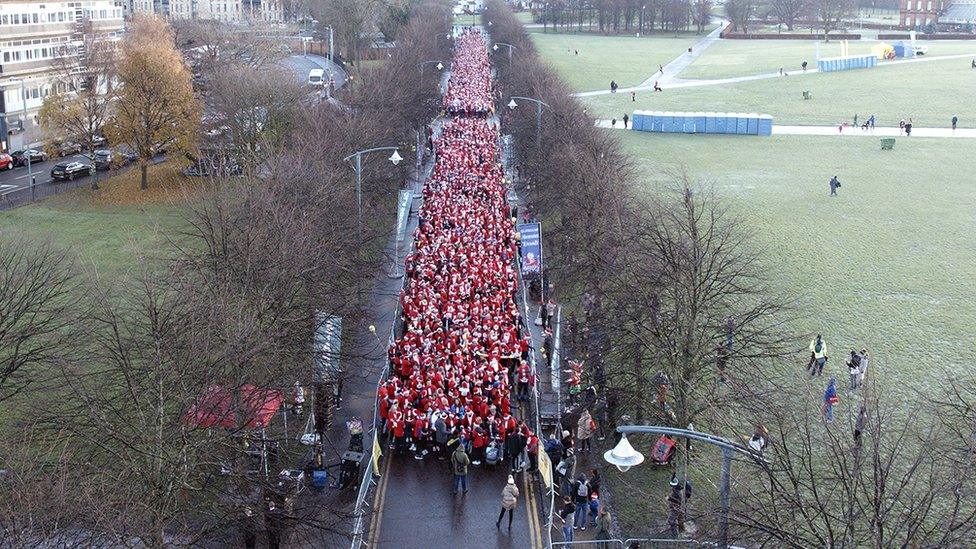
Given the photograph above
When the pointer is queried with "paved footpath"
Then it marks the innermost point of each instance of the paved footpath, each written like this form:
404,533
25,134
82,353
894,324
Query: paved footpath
849,131
680,63
674,82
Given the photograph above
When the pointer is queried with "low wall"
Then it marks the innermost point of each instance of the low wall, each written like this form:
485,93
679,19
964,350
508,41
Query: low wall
941,36
729,35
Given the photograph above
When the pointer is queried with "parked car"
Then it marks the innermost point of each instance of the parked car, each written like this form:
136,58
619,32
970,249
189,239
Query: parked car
71,169
216,167
36,156
107,159
66,148
6,161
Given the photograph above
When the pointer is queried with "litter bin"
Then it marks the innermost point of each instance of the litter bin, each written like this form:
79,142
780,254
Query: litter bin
807,95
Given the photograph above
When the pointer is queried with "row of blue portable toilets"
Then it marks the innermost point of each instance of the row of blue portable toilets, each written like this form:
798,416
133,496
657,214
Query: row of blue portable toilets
833,64
702,122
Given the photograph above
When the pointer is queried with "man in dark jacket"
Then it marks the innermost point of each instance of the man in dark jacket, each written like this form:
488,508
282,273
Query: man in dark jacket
441,436
514,445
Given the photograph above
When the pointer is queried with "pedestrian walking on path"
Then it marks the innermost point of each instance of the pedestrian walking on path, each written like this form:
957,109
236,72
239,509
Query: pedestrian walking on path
633,96
908,128
585,428
459,466
510,494
626,119
657,87
955,120
830,399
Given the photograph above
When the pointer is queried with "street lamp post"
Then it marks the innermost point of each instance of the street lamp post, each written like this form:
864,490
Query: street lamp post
23,104
331,43
357,156
624,456
510,48
538,114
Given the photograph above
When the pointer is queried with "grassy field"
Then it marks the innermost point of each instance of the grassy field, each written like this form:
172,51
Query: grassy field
889,92
108,231
627,59
887,265
730,58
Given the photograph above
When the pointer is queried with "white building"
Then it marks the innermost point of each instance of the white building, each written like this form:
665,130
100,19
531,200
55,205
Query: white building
33,36
230,11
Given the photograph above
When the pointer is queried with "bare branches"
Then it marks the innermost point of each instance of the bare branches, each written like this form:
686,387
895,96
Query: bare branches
38,310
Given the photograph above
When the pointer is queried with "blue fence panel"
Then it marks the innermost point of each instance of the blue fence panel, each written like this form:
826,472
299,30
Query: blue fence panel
765,124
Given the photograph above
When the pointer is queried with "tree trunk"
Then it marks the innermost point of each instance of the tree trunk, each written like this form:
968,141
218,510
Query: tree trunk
94,177
144,168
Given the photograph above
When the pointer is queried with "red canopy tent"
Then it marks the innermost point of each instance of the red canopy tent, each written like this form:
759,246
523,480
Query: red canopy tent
219,406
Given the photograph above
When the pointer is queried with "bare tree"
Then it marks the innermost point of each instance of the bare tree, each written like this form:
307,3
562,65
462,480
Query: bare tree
893,478
701,13
38,310
352,21
81,104
787,12
254,110
832,13
739,12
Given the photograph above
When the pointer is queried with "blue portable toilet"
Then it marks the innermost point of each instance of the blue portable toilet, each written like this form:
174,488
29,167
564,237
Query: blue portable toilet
742,124
721,122
753,124
701,122
656,121
637,121
667,120
677,122
710,122
765,124
872,61
690,119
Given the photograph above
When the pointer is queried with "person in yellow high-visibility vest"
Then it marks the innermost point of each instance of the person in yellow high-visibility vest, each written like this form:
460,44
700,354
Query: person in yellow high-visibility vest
818,355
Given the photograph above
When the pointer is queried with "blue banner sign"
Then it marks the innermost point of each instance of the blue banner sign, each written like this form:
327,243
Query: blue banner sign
403,212
531,236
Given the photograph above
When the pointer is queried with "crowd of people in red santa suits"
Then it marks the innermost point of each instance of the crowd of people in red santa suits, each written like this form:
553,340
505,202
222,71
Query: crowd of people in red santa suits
461,352
469,88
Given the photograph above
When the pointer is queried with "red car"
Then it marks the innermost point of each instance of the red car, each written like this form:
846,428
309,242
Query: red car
6,161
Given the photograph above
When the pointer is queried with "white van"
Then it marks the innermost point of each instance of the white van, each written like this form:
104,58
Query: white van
316,77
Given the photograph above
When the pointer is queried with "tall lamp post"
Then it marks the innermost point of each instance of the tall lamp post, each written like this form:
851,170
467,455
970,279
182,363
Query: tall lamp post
538,114
510,48
624,456
331,43
26,148
357,165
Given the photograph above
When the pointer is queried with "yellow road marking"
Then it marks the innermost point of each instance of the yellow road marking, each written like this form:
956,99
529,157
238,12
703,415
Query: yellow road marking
535,532
378,502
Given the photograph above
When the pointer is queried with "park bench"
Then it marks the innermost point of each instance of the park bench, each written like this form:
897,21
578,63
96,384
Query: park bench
887,143
807,95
